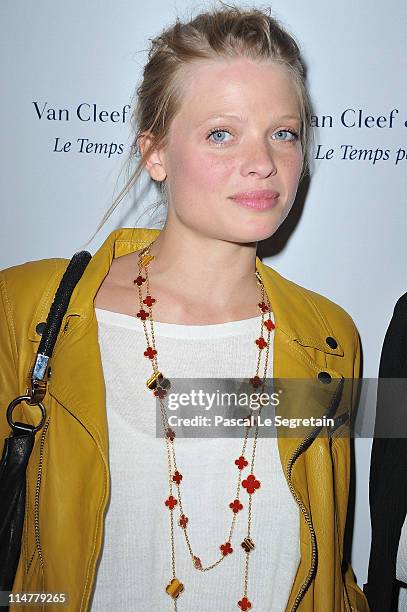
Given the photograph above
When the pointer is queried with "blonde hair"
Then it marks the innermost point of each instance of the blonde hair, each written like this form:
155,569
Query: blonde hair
225,32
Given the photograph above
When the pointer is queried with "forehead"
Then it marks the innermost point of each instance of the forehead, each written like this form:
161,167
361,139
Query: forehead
219,85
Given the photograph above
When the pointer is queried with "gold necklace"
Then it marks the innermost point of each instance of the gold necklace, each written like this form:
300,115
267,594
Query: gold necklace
160,385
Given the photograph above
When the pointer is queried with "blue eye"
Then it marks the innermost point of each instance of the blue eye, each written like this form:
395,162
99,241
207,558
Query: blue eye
218,132
293,134
217,135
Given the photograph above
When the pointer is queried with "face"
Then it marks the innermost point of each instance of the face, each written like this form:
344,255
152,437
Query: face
237,131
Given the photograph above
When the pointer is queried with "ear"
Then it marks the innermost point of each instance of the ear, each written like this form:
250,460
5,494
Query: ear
155,161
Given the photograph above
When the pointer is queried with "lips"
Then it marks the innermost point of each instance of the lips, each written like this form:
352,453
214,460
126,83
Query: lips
260,194
259,199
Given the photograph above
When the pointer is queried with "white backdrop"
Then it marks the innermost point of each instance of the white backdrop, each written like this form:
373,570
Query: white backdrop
62,58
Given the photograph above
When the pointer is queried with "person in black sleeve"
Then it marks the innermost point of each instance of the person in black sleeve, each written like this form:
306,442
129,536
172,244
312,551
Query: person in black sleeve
388,475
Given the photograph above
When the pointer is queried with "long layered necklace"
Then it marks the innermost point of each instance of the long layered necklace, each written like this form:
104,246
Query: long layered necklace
160,385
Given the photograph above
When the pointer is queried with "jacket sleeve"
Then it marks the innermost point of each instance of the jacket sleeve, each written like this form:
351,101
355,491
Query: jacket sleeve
356,374
358,600
8,360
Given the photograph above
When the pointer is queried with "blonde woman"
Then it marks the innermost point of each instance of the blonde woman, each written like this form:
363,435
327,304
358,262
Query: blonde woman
117,516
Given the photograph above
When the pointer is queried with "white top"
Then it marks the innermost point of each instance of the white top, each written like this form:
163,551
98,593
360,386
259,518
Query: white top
401,567
135,565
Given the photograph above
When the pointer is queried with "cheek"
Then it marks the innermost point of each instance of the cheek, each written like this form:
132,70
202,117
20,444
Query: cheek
208,172
292,166
201,172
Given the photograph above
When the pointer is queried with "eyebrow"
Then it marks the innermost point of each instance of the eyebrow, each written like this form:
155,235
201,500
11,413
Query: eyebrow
243,119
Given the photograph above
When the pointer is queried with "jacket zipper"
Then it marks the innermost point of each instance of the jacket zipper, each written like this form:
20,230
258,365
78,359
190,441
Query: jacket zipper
308,520
294,457
348,605
37,500
347,600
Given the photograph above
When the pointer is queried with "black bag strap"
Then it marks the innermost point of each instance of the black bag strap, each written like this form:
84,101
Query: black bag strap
40,371
71,276
18,446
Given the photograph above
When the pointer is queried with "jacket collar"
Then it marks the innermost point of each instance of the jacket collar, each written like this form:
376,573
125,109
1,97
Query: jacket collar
303,325
294,312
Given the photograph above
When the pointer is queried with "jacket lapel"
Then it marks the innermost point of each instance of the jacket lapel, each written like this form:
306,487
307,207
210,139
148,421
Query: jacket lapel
300,348
77,380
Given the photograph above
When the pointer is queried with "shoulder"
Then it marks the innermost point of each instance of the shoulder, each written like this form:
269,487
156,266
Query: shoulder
311,318
400,309
31,277
334,314
24,286
306,301
42,268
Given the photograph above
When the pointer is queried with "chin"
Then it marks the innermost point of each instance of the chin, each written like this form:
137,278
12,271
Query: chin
255,234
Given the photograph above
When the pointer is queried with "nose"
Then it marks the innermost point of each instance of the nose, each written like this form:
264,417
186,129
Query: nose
259,161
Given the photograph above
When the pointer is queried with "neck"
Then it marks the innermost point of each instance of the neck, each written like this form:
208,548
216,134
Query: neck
194,265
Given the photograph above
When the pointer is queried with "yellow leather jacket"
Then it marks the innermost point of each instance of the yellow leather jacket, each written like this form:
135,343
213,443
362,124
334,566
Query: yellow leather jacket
68,474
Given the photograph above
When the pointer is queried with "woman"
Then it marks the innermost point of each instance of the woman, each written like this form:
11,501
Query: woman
126,519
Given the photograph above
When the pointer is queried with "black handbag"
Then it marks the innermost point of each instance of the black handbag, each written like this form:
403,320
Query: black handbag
18,446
